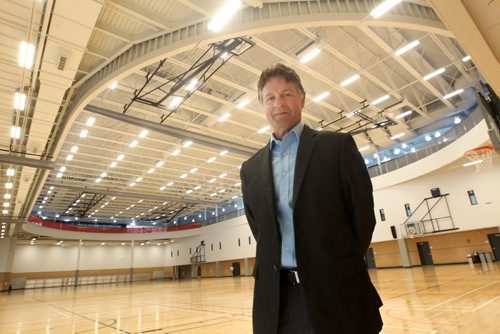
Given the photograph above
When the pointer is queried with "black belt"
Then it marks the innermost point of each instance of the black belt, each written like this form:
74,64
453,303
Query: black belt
289,276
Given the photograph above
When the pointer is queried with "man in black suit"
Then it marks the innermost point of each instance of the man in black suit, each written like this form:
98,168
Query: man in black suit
308,200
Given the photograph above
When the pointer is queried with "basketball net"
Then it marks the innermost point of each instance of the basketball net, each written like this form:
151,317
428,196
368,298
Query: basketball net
480,157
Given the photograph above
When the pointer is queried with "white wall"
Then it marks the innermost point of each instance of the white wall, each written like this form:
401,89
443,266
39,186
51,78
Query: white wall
453,179
40,258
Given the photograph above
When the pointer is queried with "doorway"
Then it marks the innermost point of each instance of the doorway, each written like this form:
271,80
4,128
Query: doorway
424,251
495,245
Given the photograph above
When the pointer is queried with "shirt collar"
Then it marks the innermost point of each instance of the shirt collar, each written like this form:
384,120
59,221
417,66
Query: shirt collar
295,131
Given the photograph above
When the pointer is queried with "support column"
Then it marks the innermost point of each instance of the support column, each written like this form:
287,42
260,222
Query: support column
77,271
131,271
217,269
403,251
247,267
7,250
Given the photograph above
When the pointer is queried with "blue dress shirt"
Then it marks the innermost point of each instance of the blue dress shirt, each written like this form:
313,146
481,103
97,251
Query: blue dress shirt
284,155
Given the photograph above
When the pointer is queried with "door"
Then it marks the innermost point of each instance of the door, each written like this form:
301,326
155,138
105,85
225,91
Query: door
424,251
185,272
236,268
495,245
370,259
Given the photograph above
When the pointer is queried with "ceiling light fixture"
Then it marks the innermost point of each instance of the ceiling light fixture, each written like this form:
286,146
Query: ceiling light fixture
26,54
447,96
399,135
187,143
404,114
10,171
224,117
212,159
113,85
243,103
264,129
84,133
90,121
133,143
406,48
350,80
223,152
192,85
120,157
143,133
159,163
15,132
19,101
379,100
383,8
176,101
321,96
364,148
113,164
194,170
466,59
310,55
433,74
74,149
223,15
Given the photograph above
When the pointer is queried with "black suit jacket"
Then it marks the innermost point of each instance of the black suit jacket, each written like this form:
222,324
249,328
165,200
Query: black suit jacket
333,221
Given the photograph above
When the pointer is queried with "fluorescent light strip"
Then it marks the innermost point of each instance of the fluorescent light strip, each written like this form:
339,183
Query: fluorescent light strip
379,100
404,114
90,121
243,103
310,55
321,96
466,59
19,101
113,85
175,102
433,74
224,117
364,148
223,15
192,85
447,96
26,55
350,80
399,135
264,129
383,8
406,48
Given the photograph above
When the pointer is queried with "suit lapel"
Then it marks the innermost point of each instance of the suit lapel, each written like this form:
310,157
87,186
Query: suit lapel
304,151
267,179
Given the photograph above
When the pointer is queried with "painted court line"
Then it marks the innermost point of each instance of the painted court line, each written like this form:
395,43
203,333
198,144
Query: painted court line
463,294
484,304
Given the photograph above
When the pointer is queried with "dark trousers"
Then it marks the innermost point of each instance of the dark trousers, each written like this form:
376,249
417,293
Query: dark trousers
293,318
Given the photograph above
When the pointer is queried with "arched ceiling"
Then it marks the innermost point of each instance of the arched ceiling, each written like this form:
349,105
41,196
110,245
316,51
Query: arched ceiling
122,41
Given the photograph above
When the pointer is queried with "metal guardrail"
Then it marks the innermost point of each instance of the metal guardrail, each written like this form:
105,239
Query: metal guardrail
458,131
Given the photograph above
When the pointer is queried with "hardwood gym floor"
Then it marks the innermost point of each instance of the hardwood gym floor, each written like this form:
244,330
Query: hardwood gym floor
439,299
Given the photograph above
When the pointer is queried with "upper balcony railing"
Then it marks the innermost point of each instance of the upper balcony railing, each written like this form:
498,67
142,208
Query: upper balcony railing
458,131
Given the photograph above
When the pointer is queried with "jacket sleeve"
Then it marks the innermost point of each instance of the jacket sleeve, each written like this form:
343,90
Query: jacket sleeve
358,193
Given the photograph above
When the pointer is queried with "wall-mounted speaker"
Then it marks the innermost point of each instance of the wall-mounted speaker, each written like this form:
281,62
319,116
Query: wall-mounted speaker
393,231
435,192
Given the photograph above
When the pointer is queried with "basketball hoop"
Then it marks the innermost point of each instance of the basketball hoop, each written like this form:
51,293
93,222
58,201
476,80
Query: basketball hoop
480,157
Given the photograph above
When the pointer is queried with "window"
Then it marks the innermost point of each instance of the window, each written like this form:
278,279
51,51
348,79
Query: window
382,214
239,242
249,240
220,245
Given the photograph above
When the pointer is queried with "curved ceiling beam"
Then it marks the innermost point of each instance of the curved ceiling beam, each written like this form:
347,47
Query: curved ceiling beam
271,17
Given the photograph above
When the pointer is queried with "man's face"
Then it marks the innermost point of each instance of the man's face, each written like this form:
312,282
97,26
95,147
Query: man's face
283,104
